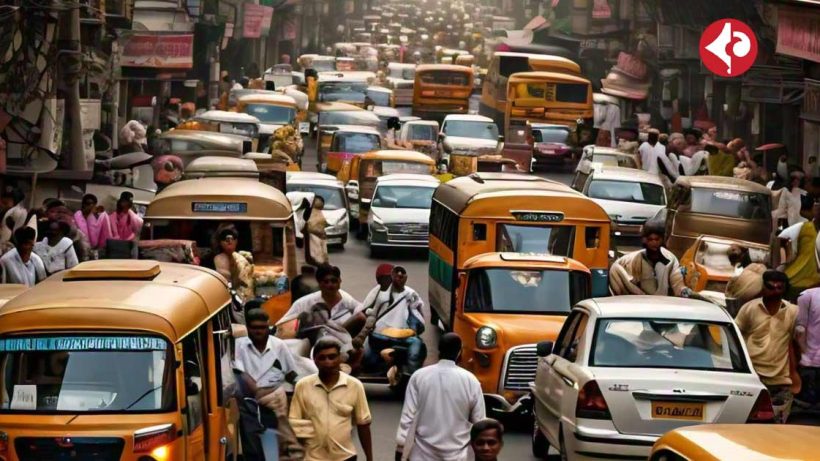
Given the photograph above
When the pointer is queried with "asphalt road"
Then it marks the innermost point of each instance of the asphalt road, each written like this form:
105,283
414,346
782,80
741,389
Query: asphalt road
358,277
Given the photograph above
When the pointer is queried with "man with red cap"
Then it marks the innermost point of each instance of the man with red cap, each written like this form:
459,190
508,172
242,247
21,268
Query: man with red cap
379,295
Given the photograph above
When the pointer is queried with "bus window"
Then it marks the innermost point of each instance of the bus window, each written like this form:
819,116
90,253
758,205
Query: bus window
554,240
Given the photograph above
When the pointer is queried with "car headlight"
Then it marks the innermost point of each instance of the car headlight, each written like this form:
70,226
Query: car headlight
378,224
486,338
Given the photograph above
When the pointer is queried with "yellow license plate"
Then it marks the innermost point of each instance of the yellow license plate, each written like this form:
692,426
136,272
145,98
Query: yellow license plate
677,410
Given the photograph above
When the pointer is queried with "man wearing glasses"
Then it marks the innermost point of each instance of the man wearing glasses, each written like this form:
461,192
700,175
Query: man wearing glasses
768,327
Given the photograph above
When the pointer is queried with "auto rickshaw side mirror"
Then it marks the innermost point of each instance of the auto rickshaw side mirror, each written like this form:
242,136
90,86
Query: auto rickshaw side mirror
462,279
543,349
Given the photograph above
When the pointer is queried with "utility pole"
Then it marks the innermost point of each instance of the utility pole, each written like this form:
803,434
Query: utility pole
71,68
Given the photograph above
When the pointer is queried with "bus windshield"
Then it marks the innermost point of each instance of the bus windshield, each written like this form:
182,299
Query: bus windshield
342,91
576,93
86,373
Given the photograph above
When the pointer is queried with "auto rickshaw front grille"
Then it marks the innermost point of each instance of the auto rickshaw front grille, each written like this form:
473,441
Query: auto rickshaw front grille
69,448
519,369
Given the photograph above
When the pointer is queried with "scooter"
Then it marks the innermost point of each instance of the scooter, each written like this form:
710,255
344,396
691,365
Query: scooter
393,367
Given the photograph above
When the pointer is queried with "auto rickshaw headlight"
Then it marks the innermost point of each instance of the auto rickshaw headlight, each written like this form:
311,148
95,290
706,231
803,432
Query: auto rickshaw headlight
486,338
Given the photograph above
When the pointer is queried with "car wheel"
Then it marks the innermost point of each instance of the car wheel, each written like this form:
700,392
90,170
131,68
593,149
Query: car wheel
540,445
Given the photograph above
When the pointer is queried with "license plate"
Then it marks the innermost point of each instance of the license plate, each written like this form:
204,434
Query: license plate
677,410
334,241
304,127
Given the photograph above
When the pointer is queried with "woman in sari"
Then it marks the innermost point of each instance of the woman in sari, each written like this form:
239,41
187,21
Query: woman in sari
231,264
314,233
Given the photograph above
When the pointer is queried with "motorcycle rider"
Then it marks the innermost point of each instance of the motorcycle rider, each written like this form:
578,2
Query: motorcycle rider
651,271
398,321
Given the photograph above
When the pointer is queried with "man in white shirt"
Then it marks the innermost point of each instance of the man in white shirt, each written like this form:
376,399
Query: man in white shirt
341,316
653,157
442,403
266,363
21,265
388,323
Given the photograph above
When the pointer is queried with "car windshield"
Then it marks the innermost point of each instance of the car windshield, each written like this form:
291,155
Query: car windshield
78,374
342,91
403,197
471,129
423,132
444,77
659,343
334,200
324,65
268,113
626,191
525,291
715,256
377,168
623,161
732,204
355,142
552,135
554,240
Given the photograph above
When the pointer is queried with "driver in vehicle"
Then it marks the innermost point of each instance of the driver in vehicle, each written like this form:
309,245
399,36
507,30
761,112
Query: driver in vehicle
651,271
397,321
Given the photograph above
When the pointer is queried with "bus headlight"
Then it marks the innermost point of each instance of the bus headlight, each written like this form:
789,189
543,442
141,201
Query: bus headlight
486,338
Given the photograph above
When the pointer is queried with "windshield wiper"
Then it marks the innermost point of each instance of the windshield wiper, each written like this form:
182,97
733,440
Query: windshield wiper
145,394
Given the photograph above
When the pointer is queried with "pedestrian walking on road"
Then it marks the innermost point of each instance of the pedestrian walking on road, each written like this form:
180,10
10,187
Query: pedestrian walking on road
326,405
314,234
487,439
801,264
768,327
442,403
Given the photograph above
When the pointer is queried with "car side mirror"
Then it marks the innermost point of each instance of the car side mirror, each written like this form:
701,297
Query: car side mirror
543,349
500,138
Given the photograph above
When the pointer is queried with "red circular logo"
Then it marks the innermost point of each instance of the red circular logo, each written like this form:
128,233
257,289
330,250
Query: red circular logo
728,47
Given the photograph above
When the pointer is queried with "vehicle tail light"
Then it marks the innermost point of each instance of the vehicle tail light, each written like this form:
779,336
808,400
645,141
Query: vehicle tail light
154,439
591,403
762,411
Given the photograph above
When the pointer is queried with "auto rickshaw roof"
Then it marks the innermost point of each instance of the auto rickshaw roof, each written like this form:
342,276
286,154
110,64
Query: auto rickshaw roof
224,116
421,68
221,166
459,193
758,441
308,177
722,182
342,129
615,173
119,295
395,154
337,107
539,76
220,199
9,291
269,98
533,261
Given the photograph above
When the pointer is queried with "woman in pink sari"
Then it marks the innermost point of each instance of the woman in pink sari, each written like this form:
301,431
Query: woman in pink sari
125,224
92,220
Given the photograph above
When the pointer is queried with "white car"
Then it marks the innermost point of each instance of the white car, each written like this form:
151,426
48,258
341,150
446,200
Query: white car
468,133
630,197
627,369
400,211
305,185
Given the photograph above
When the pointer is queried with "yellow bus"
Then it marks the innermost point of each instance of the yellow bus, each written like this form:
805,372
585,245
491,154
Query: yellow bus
547,97
442,89
502,212
503,64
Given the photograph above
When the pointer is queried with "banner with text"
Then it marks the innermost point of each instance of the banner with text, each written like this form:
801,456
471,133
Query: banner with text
174,51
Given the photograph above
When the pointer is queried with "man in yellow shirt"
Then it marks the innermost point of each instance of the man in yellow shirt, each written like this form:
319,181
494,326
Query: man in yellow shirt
326,404
767,325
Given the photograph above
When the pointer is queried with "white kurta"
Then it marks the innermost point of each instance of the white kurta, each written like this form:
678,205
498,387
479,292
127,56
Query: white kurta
442,403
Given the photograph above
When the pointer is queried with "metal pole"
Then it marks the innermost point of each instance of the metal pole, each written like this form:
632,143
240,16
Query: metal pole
77,160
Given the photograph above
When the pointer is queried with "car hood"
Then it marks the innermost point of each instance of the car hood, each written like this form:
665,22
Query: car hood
517,329
268,128
402,215
628,211
458,142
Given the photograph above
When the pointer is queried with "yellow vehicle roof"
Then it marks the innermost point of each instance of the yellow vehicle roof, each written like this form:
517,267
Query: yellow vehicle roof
9,290
421,68
529,260
722,182
272,99
119,295
522,77
743,441
263,202
461,193
407,155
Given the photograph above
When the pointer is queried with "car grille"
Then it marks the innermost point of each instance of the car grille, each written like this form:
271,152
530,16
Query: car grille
408,232
519,367
69,448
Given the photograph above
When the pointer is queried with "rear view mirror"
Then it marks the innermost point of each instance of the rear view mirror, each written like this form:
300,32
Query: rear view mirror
543,349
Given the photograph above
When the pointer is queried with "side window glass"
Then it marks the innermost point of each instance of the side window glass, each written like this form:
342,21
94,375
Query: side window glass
592,237
192,362
571,352
565,337
224,351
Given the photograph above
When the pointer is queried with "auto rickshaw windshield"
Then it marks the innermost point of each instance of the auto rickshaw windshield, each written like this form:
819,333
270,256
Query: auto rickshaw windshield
732,204
516,291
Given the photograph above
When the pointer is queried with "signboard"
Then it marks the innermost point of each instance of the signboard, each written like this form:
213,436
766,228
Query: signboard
289,29
219,207
169,51
538,216
256,21
798,33
811,101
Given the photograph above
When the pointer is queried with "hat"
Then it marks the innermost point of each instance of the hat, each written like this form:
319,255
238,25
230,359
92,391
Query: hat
384,269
